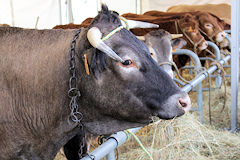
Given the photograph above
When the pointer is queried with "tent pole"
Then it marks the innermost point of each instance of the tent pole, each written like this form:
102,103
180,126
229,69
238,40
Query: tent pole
60,11
12,12
235,39
70,13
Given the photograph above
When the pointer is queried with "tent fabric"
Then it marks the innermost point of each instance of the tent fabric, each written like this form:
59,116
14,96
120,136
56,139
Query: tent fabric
24,13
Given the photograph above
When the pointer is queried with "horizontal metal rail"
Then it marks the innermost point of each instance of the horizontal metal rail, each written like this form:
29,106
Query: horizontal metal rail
115,140
204,75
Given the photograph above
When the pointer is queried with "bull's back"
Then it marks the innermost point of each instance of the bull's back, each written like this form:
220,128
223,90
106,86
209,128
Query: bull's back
29,53
223,10
33,69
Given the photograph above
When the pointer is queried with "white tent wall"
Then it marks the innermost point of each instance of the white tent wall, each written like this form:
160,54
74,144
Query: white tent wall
83,9
163,5
26,12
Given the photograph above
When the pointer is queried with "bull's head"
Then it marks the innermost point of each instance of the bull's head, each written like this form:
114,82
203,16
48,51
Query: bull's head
211,26
161,44
128,88
190,28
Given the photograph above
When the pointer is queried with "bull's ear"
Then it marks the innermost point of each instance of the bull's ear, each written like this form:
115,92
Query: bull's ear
187,17
178,43
98,63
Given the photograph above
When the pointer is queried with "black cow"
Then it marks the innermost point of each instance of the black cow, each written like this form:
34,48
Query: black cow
122,92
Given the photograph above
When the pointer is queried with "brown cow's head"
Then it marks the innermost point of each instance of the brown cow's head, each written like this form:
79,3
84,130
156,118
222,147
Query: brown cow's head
211,25
190,28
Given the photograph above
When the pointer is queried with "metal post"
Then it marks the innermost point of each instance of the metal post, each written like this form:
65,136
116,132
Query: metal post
218,57
12,12
235,30
190,64
60,11
70,13
138,6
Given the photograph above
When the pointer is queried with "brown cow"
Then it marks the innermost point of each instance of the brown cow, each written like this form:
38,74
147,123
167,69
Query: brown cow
84,24
210,25
222,10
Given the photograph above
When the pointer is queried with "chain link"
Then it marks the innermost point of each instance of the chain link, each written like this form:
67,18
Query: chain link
74,92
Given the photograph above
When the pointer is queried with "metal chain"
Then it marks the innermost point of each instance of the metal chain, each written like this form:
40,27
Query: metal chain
74,92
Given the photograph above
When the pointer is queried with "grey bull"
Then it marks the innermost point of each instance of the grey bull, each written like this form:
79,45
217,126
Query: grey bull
125,89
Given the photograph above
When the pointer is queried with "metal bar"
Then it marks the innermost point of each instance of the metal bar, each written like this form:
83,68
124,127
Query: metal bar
138,6
70,13
114,141
120,137
179,81
218,57
229,40
190,54
111,155
206,58
60,11
227,31
190,71
235,37
12,13
201,77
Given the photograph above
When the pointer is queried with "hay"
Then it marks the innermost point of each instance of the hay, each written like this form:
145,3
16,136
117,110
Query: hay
183,138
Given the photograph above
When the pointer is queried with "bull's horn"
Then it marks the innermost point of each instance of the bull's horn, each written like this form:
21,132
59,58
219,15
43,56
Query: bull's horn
136,24
173,36
142,38
94,36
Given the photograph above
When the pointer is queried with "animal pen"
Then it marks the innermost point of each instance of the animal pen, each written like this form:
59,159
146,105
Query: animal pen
107,148
115,140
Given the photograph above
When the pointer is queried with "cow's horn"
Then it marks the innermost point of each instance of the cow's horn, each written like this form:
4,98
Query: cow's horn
136,24
142,38
94,36
173,36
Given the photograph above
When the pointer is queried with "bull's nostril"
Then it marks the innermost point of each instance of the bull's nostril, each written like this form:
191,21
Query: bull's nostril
183,104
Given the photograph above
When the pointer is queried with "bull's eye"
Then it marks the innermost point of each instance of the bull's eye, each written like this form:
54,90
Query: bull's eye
208,25
127,62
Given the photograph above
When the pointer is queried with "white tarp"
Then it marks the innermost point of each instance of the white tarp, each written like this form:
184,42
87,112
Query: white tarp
24,13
